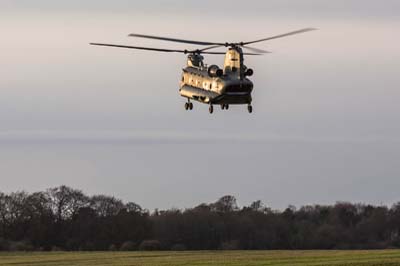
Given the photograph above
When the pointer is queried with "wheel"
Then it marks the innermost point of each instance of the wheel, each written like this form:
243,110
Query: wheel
250,109
186,106
211,109
226,106
222,106
191,106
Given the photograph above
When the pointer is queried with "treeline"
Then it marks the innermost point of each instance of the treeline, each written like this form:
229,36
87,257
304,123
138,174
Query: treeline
63,218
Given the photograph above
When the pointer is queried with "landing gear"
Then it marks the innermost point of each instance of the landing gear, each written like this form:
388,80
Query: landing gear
188,106
225,106
250,108
211,109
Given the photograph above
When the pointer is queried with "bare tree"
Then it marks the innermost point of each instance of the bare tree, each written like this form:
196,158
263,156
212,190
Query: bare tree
225,204
65,201
105,205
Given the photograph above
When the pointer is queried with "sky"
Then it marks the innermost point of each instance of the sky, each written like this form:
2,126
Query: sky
325,126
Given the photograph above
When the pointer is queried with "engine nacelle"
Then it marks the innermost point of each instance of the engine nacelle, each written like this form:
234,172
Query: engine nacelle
214,71
249,72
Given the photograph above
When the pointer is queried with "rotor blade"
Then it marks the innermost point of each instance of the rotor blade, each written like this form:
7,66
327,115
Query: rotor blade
141,48
281,35
217,53
173,39
256,50
223,53
252,54
165,50
211,47
211,52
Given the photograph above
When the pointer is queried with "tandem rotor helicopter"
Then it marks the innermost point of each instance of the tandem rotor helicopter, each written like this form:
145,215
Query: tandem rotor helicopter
213,85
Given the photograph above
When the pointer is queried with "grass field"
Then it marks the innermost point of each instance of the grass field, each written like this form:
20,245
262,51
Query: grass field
222,258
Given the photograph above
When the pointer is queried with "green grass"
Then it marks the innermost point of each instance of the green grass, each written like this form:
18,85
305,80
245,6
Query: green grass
209,258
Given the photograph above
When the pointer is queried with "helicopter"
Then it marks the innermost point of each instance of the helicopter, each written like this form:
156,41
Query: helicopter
213,85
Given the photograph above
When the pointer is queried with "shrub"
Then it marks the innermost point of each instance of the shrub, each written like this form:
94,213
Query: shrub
178,247
112,247
4,245
150,245
88,246
72,244
56,249
128,246
20,246
230,245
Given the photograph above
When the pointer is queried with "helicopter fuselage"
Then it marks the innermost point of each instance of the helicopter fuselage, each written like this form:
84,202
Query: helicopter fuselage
212,85
196,84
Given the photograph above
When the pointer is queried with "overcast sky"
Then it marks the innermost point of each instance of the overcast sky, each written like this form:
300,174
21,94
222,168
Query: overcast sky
325,126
